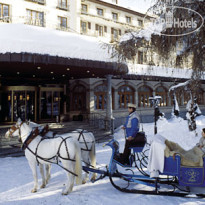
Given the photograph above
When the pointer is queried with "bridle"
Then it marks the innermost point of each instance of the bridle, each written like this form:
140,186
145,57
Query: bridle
14,128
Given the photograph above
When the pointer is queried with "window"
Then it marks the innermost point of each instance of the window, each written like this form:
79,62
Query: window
115,16
161,91
62,21
83,27
63,4
84,8
100,12
128,19
4,13
200,97
140,57
114,33
99,29
35,18
79,98
144,93
100,93
140,23
126,95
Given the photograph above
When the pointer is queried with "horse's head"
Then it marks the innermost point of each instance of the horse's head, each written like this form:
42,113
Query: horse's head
14,130
20,129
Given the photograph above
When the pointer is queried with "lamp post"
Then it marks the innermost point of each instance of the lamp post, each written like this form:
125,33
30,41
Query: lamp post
154,101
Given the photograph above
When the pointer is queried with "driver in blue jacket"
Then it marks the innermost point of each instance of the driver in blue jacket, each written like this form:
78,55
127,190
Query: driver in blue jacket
131,128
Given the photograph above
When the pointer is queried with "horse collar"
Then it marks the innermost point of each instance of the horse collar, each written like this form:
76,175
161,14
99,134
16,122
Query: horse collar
30,138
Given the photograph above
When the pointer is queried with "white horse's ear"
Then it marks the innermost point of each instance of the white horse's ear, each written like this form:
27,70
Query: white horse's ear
19,121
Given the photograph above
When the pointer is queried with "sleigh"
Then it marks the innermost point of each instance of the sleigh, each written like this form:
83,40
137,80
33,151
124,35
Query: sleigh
175,180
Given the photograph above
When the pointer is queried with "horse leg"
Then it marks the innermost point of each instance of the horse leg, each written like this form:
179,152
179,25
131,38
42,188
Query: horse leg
48,172
92,155
70,183
33,167
86,162
42,175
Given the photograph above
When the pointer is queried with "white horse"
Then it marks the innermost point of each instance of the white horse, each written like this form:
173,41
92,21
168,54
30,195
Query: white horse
87,145
44,151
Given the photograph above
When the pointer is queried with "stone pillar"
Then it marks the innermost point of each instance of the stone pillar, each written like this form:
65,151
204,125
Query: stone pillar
116,100
64,103
136,98
109,114
91,101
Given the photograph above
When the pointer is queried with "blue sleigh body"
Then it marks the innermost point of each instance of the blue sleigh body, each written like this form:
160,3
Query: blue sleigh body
187,176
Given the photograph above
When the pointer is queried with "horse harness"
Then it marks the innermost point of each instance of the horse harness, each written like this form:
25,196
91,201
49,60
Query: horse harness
81,135
32,136
45,130
54,159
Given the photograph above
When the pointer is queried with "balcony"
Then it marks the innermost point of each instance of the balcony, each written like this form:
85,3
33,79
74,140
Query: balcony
43,2
35,22
62,28
5,19
63,7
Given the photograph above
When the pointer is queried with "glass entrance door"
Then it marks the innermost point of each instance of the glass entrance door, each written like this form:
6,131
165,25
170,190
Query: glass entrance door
19,107
18,102
50,103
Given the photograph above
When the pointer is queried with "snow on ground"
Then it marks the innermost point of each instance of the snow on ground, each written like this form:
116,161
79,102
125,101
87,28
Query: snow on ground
16,180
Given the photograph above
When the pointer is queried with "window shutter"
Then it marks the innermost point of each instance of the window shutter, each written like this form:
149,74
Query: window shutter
105,29
89,25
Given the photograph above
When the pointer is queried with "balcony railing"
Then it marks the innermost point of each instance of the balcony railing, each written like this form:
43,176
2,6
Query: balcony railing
35,22
63,7
38,1
5,19
62,28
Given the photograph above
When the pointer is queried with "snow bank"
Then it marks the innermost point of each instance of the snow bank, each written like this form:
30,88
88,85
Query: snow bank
17,181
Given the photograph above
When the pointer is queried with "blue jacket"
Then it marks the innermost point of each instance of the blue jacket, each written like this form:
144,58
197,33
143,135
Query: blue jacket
131,125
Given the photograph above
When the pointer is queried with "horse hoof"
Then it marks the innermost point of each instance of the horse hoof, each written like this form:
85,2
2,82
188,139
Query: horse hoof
43,186
65,193
84,181
33,190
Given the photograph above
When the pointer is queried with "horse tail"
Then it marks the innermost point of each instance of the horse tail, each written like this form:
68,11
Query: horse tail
78,163
92,154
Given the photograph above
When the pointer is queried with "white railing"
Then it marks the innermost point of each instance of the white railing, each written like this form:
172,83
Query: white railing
34,22
38,1
62,28
63,6
5,19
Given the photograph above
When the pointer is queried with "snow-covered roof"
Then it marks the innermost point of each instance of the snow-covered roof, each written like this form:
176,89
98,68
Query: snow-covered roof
20,38
136,5
159,71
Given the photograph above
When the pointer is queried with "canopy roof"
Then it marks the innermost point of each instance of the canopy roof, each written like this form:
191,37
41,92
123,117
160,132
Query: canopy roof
35,52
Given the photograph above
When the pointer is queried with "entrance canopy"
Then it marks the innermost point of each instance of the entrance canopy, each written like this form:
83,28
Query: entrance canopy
35,53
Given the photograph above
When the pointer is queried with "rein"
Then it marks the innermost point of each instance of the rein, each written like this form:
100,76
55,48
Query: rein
35,133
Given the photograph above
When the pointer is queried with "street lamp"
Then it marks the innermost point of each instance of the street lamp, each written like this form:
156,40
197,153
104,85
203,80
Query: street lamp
154,101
